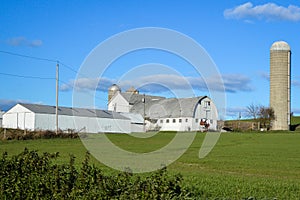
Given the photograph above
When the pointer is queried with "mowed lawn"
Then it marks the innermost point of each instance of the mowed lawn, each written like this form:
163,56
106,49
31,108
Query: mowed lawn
241,165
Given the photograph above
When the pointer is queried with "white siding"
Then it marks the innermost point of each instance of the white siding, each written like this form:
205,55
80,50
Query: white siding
98,125
204,110
22,118
186,124
19,117
83,124
1,117
118,104
207,111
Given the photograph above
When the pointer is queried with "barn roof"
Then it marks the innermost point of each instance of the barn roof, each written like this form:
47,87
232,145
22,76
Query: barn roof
82,112
171,107
135,118
137,98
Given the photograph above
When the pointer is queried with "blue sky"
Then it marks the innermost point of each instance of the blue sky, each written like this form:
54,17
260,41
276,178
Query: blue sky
236,34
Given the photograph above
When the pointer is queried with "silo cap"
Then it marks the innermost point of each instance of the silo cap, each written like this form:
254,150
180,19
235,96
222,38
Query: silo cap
114,87
280,46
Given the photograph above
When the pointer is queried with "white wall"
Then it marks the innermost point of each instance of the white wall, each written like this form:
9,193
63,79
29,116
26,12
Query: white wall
22,118
1,117
205,111
118,104
186,124
19,117
98,125
83,124
137,128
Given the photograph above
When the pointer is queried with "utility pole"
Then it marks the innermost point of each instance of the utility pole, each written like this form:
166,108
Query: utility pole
144,101
56,109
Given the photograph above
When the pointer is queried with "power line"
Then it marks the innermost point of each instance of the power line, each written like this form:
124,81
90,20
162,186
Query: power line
39,58
42,78
26,56
68,67
24,76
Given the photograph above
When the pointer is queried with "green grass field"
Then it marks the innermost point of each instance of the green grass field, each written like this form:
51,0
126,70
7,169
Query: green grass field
241,165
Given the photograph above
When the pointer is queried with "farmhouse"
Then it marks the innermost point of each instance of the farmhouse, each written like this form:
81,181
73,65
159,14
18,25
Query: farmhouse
165,114
42,117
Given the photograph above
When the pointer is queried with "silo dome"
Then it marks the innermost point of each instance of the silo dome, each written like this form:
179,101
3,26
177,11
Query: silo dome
115,88
112,90
280,46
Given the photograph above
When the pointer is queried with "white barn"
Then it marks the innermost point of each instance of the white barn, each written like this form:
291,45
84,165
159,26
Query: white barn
165,114
42,117
1,117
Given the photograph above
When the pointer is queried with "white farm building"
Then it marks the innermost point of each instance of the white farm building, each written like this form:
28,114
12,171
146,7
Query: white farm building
127,112
165,114
42,117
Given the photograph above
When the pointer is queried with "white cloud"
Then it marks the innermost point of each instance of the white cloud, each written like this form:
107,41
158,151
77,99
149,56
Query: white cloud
164,82
268,11
23,41
296,111
87,84
265,75
236,112
296,83
6,104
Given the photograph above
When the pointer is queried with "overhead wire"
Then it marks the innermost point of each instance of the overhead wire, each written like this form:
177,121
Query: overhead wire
24,76
41,78
26,56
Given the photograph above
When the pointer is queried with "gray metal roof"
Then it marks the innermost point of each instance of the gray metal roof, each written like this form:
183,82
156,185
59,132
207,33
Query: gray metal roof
137,98
82,112
171,107
135,118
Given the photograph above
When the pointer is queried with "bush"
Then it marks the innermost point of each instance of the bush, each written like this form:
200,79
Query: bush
18,134
33,176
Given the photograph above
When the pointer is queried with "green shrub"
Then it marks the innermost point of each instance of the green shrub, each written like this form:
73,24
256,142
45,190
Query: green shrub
18,134
33,176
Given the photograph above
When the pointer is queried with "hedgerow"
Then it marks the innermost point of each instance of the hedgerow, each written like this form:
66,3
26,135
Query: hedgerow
30,175
18,134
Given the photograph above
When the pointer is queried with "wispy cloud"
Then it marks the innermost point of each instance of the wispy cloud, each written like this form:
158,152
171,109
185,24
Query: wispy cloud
23,41
268,12
296,83
296,111
236,112
6,104
266,76
165,82
87,84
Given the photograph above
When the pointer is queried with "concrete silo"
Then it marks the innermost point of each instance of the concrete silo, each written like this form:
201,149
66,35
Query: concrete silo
280,84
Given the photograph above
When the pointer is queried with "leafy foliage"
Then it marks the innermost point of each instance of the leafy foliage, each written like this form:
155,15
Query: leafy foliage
31,176
266,115
18,134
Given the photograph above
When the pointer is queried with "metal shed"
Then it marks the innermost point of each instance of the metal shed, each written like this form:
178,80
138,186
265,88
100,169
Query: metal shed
42,117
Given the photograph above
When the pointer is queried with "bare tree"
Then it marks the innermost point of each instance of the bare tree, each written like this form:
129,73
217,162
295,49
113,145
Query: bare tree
266,116
253,111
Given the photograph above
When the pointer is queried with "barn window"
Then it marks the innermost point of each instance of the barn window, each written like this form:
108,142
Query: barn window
186,120
207,104
211,121
174,120
167,121
161,121
180,120
196,120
